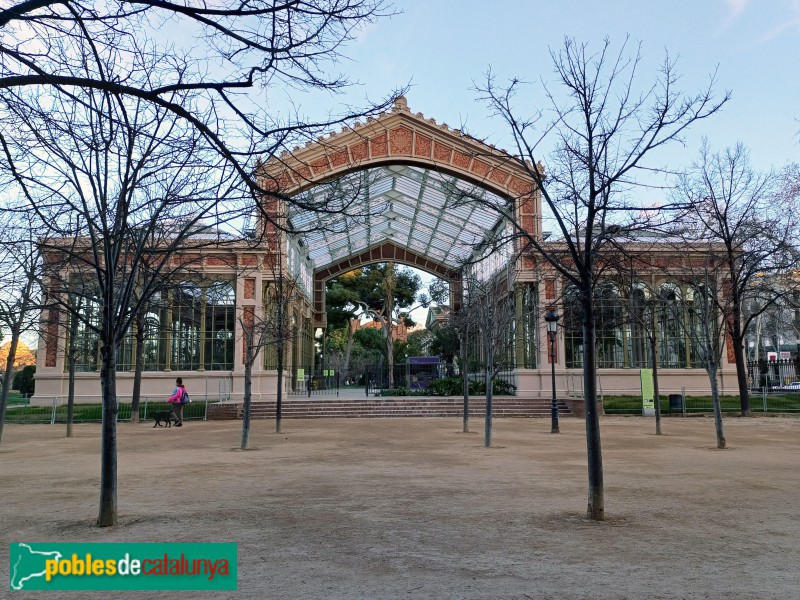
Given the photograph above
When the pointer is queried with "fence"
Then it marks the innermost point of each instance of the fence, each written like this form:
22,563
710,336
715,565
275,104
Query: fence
56,411
322,382
761,401
421,379
772,374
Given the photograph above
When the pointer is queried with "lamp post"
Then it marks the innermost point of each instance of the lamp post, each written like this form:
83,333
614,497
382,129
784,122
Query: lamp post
552,326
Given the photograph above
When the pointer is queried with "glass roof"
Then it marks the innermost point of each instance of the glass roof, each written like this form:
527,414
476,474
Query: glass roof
426,211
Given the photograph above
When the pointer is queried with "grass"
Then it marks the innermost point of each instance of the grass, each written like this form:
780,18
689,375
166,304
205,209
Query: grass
88,413
613,405
16,398
776,402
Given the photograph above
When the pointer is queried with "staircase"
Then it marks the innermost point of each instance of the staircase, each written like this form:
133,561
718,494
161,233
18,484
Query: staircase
388,408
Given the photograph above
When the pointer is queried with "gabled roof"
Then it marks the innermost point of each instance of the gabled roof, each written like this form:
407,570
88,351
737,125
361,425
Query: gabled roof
396,177
406,205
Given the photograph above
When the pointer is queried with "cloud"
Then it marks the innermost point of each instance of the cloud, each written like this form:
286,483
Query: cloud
736,7
783,16
790,20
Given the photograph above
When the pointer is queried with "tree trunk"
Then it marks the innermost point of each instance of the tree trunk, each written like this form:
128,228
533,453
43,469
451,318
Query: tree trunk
350,337
16,332
654,365
279,391
487,428
9,373
595,508
388,313
711,369
741,369
465,383
390,356
283,306
137,373
737,338
73,331
107,516
248,384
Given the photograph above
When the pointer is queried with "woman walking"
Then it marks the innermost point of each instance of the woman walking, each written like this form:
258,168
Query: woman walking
178,398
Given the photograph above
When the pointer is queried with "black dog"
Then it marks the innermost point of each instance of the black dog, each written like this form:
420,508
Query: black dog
166,416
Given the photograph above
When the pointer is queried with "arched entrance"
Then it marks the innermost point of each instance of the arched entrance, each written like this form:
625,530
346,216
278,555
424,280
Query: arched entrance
396,176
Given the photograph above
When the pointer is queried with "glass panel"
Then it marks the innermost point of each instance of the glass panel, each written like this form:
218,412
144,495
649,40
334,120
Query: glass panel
219,326
87,346
672,347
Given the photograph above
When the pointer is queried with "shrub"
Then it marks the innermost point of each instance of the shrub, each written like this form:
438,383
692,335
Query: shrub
448,386
452,386
24,380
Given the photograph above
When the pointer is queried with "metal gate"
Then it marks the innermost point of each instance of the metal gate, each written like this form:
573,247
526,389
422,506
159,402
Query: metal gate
321,382
412,378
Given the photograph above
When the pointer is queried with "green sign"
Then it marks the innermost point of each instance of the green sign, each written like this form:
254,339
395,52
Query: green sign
301,374
118,566
648,405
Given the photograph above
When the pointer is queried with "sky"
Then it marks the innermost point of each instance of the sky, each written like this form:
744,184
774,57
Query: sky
441,48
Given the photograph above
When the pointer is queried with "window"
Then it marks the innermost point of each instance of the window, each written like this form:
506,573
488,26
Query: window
640,326
609,320
218,338
621,327
670,327
87,339
188,328
530,324
187,312
573,328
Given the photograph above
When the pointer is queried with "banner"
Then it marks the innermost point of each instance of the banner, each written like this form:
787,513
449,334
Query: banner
119,566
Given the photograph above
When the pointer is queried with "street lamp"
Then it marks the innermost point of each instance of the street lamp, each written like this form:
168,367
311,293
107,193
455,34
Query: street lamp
552,326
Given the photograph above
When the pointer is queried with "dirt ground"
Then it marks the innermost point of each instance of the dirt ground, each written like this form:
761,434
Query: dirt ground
411,508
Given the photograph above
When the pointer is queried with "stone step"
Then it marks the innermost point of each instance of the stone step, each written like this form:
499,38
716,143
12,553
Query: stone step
387,408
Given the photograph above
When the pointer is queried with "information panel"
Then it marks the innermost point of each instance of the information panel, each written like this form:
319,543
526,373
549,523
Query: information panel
648,405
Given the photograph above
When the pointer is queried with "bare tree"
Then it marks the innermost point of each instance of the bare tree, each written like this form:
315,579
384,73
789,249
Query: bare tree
118,186
604,134
278,333
20,270
212,82
630,265
643,307
257,331
462,324
707,324
104,119
741,210
488,311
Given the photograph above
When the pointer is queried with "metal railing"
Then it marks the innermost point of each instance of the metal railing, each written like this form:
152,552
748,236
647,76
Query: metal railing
764,400
421,379
55,411
772,374
319,383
